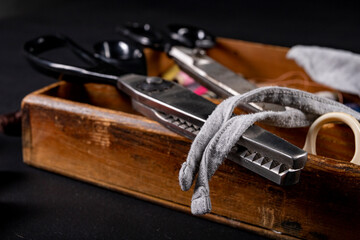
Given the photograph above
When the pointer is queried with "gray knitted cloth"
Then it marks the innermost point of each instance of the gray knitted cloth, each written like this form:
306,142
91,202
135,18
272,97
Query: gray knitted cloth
335,68
222,130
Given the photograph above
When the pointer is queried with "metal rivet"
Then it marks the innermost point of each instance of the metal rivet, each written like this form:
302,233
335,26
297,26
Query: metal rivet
199,52
154,80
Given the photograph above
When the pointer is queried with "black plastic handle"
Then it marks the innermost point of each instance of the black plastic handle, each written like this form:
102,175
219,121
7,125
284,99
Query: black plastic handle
98,70
191,36
125,55
177,34
146,35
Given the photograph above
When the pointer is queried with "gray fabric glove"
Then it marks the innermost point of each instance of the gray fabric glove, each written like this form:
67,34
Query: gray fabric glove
222,130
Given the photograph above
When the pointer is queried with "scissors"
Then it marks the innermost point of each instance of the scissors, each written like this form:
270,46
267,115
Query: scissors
185,45
172,105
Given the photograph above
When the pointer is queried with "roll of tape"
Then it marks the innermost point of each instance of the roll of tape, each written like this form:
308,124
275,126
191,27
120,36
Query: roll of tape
310,143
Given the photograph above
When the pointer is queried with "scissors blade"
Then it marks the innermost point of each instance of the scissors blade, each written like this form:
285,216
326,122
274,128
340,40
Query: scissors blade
210,72
216,77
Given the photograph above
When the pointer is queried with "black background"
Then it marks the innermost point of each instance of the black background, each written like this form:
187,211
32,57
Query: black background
36,204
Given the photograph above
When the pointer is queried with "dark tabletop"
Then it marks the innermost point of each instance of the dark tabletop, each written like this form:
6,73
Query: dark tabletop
35,204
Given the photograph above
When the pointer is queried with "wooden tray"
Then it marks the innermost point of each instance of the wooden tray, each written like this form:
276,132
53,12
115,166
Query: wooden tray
90,132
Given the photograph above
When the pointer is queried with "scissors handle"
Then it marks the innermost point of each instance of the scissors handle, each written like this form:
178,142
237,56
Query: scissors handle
146,35
96,67
183,35
191,36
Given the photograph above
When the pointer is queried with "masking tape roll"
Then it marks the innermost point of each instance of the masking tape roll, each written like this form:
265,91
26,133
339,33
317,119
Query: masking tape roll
310,143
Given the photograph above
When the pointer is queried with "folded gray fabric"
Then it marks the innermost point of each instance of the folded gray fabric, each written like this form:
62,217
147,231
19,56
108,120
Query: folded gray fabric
222,130
338,69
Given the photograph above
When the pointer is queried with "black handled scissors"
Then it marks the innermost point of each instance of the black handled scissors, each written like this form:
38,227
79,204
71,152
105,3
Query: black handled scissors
185,45
174,106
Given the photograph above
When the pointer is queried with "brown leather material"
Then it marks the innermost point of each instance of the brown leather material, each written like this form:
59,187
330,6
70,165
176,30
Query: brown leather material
10,124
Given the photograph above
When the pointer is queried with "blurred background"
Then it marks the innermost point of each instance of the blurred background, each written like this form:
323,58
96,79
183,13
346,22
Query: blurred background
35,204
327,23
